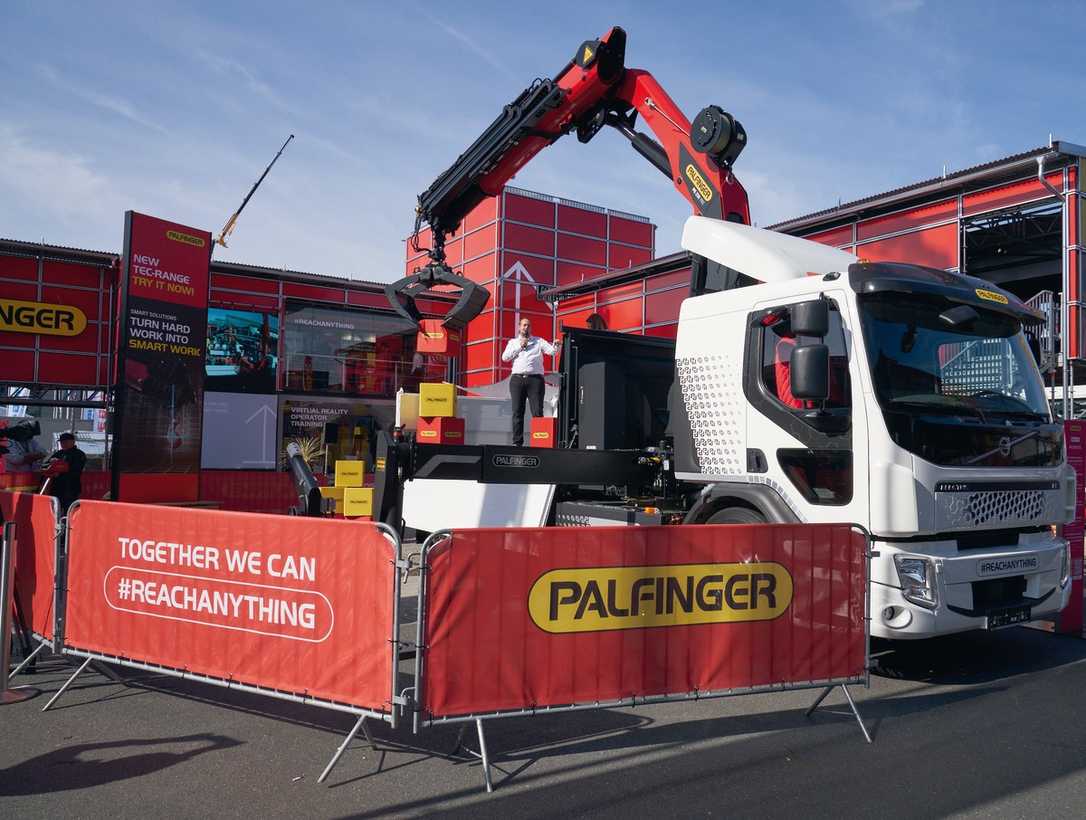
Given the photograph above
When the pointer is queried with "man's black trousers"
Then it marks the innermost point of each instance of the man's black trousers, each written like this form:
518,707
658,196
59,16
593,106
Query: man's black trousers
520,388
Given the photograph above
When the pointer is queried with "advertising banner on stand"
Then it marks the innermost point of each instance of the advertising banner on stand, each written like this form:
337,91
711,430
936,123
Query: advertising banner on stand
525,618
296,605
163,334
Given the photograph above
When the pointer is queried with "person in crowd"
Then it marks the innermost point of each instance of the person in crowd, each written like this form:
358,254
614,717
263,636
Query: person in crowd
526,353
22,456
64,471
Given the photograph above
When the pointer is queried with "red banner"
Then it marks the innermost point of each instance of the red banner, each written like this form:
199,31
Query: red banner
35,557
294,604
523,618
163,334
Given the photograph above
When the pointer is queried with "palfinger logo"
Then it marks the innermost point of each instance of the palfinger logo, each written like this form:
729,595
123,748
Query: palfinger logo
598,599
699,183
185,238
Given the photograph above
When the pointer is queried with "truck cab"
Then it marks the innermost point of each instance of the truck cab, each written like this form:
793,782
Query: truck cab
898,397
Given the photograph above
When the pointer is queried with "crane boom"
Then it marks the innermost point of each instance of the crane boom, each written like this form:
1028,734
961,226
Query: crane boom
593,90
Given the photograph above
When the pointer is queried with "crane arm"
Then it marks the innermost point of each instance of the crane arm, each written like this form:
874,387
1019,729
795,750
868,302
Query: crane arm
593,90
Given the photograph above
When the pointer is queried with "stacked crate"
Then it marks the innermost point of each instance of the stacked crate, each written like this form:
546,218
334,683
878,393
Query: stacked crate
1071,619
352,498
437,422
518,240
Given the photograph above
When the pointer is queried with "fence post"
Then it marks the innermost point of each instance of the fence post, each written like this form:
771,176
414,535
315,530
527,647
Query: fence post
7,579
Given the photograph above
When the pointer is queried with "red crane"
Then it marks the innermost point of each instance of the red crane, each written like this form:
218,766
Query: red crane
595,89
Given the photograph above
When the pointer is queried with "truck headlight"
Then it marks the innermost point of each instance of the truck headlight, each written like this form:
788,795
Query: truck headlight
1065,565
917,577
1070,494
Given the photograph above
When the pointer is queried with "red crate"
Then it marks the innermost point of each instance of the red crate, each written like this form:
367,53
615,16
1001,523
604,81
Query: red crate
544,432
440,430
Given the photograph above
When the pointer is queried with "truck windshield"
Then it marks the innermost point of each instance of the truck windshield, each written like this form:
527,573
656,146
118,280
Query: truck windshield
964,394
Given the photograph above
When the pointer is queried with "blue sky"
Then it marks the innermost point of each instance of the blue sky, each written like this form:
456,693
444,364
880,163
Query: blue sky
174,109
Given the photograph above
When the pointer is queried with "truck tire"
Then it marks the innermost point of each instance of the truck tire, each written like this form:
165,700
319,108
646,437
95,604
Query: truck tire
736,515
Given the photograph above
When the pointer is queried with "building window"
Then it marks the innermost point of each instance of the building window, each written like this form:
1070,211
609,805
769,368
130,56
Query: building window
328,350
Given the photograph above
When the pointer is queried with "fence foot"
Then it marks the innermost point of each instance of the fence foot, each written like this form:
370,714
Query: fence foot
484,756
821,698
25,661
67,683
856,712
359,724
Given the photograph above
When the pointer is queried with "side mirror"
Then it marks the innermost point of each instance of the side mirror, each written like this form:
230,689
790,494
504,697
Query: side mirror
811,318
809,373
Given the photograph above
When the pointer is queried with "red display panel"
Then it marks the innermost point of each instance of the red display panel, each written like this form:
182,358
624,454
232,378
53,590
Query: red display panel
532,240
580,249
16,267
528,618
904,220
292,604
481,241
935,247
626,256
582,220
622,315
835,236
1007,195
486,211
244,283
668,280
664,306
631,231
70,273
481,355
527,209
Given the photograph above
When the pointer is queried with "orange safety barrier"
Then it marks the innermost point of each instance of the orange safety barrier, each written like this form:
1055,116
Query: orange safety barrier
301,606
517,620
35,518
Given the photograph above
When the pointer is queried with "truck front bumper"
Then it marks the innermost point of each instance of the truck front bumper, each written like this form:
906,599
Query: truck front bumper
978,589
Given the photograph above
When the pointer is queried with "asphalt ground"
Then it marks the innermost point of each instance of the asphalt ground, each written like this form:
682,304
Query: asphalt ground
988,725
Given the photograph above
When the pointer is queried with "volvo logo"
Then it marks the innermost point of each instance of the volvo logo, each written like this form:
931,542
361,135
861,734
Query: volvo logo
515,461
1005,446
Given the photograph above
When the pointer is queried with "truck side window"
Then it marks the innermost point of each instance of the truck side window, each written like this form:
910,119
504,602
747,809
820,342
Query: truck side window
777,345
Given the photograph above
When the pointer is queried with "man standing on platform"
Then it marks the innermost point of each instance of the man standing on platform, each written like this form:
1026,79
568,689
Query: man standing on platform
526,353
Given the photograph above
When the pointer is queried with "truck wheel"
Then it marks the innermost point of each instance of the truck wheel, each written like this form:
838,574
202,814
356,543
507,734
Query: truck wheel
736,515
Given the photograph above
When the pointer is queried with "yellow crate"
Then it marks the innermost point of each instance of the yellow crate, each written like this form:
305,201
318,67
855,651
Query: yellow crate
336,493
437,399
349,473
357,501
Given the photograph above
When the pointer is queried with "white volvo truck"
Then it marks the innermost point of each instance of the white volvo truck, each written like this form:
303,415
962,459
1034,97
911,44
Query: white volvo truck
804,386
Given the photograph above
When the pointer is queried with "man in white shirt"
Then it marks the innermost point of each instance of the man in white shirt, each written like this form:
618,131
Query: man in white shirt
526,353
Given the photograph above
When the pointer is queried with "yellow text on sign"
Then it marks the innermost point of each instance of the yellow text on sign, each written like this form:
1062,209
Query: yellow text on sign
37,317
605,598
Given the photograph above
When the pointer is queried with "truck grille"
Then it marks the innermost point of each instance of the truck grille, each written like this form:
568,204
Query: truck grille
995,506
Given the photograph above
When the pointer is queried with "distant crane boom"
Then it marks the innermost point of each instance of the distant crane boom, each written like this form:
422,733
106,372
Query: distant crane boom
228,228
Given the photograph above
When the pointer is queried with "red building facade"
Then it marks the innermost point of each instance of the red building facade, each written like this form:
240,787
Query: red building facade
521,242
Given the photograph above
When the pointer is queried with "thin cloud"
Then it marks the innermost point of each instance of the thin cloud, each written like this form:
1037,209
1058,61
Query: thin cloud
60,184
115,105
230,67
471,45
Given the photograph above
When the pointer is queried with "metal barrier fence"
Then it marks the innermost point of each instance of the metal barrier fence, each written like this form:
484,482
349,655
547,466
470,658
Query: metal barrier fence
511,622
532,621
38,553
302,610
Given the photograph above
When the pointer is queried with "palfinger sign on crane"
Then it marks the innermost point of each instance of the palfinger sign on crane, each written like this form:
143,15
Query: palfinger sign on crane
595,89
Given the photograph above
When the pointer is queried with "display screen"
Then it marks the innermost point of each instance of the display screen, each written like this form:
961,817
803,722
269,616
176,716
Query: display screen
242,350
342,351
239,431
